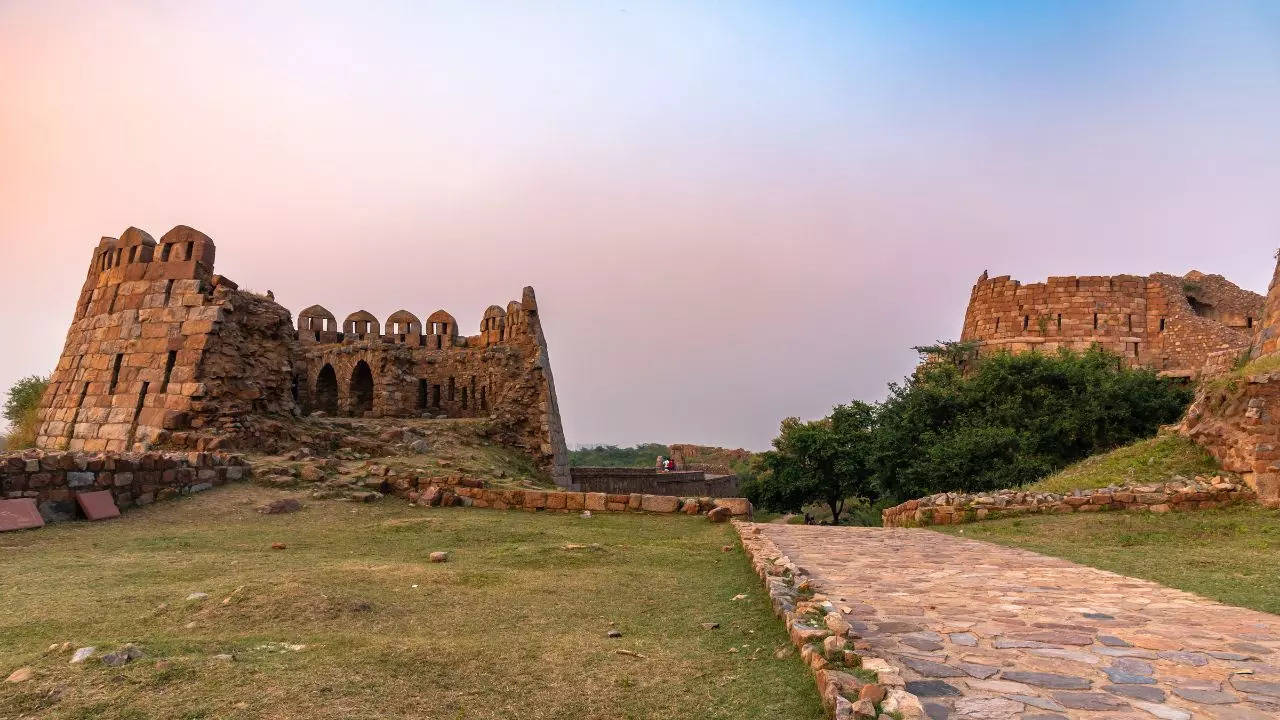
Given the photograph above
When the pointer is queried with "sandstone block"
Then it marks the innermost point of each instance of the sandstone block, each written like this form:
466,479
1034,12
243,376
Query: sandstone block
660,503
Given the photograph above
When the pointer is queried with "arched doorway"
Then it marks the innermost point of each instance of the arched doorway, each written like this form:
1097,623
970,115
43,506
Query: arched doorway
361,389
327,390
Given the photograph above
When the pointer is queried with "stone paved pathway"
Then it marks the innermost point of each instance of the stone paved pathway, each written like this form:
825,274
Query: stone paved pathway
985,632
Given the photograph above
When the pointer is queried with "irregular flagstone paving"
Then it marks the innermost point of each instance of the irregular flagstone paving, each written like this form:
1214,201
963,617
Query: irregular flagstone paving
985,632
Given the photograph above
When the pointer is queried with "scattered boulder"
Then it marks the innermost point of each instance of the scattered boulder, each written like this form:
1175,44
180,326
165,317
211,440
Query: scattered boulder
126,654
614,633
439,556
197,596
278,546
82,654
719,515
22,674
310,473
283,505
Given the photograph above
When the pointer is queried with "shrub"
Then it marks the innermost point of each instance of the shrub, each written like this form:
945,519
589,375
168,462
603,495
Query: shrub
1013,419
20,408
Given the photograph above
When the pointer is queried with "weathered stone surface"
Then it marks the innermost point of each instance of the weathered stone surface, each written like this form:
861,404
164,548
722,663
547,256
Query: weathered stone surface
986,708
929,668
1164,712
1047,680
1137,692
931,688
1205,696
1089,701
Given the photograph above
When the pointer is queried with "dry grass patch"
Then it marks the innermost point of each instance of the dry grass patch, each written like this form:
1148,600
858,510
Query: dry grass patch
512,626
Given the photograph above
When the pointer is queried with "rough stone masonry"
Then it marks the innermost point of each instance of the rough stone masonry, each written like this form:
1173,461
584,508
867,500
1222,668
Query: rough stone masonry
1168,323
163,353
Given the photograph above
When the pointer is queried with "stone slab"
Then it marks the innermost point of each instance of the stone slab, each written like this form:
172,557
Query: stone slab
19,514
99,505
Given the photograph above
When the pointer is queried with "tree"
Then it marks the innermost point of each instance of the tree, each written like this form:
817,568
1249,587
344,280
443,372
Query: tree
20,410
820,461
1007,420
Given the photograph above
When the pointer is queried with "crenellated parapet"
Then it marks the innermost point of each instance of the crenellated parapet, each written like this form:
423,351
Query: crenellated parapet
317,325
163,353
161,349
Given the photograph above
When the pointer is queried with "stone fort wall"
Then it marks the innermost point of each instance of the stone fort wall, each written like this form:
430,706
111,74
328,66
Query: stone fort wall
406,367
160,348
1236,412
164,353
1164,322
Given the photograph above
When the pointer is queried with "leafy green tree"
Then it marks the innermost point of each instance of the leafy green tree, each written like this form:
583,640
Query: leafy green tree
20,408
824,461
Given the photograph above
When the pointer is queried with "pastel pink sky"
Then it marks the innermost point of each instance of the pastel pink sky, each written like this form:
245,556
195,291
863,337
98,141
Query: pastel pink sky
732,212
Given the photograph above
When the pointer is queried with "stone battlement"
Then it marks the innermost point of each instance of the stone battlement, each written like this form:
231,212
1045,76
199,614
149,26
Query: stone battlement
162,352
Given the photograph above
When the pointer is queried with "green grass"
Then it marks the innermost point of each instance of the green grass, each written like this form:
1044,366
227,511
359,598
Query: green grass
514,625
1231,555
1146,461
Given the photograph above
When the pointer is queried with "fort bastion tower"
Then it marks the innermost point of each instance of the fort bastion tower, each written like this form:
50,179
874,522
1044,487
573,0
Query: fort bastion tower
164,353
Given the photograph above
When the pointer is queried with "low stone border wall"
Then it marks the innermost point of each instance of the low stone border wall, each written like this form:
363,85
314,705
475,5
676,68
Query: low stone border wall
461,490
842,667
680,483
958,508
53,478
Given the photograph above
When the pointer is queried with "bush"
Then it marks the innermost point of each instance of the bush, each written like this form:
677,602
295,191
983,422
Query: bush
20,409
1013,419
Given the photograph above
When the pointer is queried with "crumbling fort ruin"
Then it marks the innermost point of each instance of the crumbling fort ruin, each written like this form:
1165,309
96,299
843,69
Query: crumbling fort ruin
1171,324
1236,412
163,353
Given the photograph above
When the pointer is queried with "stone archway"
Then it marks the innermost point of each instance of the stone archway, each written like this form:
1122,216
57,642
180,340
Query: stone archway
361,389
326,397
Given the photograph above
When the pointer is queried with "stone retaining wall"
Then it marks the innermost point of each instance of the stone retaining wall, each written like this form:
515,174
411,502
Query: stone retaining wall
841,664
53,478
1177,494
657,482
459,490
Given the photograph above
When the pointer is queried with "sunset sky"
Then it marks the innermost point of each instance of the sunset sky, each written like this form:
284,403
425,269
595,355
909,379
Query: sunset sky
732,212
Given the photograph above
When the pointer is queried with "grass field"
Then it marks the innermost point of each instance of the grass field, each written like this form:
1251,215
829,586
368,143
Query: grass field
1147,461
1231,555
514,625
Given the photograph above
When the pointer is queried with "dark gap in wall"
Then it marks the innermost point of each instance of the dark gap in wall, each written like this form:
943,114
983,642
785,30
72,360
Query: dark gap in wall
115,374
168,369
